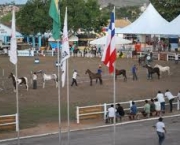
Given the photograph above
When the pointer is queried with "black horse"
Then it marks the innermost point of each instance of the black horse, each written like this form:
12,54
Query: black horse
142,59
76,51
94,76
151,71
121,72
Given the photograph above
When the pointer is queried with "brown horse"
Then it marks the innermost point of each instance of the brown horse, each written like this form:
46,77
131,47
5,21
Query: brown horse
121,72
94,76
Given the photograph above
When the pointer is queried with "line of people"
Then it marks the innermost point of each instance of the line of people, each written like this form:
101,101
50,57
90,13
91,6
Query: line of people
153,107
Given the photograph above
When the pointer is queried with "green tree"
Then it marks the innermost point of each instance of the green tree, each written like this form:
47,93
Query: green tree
33,17
169,9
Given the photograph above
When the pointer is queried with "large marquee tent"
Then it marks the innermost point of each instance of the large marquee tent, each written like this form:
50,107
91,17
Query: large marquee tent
149,22
103,40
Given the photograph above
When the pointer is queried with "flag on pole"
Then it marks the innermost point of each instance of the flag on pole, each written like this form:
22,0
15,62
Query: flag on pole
109,54
55,15
13,43
65,53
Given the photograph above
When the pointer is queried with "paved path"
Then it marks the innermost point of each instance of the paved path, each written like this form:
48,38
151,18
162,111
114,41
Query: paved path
140,133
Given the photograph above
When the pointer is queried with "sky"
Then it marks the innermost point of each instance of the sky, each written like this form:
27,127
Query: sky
16,1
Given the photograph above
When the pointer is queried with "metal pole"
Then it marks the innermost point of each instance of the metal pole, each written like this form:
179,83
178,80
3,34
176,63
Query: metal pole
17,106
68,116
59,94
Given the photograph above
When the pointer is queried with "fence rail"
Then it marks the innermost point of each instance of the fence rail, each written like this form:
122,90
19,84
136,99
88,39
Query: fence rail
90,113
9,122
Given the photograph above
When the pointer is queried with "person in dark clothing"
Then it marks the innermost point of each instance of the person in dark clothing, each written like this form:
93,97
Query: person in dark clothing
119,112
134,69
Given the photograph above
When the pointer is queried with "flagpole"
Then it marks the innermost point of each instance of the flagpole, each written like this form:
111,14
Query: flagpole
114,95
68,116
59,94
17,106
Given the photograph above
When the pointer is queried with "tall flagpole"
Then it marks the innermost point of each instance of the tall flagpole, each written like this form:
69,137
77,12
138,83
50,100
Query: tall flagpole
59,94
114,95
68,116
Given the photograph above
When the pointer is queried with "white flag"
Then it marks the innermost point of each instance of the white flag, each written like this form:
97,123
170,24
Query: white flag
13,45
65,53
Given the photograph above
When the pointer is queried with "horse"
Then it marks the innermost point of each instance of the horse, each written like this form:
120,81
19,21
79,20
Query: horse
22,80
121,72
94,76
76,51
47,77
152,70
163,69
142,59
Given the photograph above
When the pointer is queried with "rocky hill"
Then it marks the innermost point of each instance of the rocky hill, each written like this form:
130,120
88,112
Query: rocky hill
122,3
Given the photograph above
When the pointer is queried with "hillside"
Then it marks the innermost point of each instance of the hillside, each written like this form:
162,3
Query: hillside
122,3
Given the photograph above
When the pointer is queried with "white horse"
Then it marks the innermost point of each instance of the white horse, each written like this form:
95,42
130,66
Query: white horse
22,80
47,77
163,69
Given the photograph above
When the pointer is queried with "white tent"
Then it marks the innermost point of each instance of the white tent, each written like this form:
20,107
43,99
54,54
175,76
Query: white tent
72,38
171,28
148,23
102,41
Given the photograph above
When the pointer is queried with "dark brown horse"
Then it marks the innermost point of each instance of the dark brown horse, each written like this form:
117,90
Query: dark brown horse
94,76
151,71
121,72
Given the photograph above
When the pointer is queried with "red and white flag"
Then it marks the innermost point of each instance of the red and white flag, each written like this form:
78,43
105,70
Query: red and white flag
109,54
65,53
13,45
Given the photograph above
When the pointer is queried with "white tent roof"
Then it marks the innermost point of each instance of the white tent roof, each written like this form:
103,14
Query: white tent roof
102,41
148,23
171,28
72,38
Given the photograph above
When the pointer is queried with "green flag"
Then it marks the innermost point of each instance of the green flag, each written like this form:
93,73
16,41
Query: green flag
55,15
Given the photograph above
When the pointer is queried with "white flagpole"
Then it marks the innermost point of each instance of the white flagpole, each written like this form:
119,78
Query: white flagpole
17,106
59,94
68,116
114,96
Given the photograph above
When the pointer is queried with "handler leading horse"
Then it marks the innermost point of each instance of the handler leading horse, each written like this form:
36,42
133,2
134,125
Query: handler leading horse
93,76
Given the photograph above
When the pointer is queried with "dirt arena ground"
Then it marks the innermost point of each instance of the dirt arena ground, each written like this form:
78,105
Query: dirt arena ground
41,105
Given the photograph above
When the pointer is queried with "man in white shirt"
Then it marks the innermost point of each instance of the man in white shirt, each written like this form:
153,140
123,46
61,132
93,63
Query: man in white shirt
161,130
176,58
34,77
161,100
75,74
170,97
111,113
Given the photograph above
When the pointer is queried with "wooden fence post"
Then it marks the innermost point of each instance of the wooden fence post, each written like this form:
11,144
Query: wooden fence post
105,110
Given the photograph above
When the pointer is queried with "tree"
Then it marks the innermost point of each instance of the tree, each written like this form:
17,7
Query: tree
169,9
33,17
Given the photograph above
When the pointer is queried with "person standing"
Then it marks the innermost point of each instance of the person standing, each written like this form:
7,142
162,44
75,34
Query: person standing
75,74
119,112
134,70
176,58
34,77
111,113
161,130
157,107
146,111
133,111
170,97
161,100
